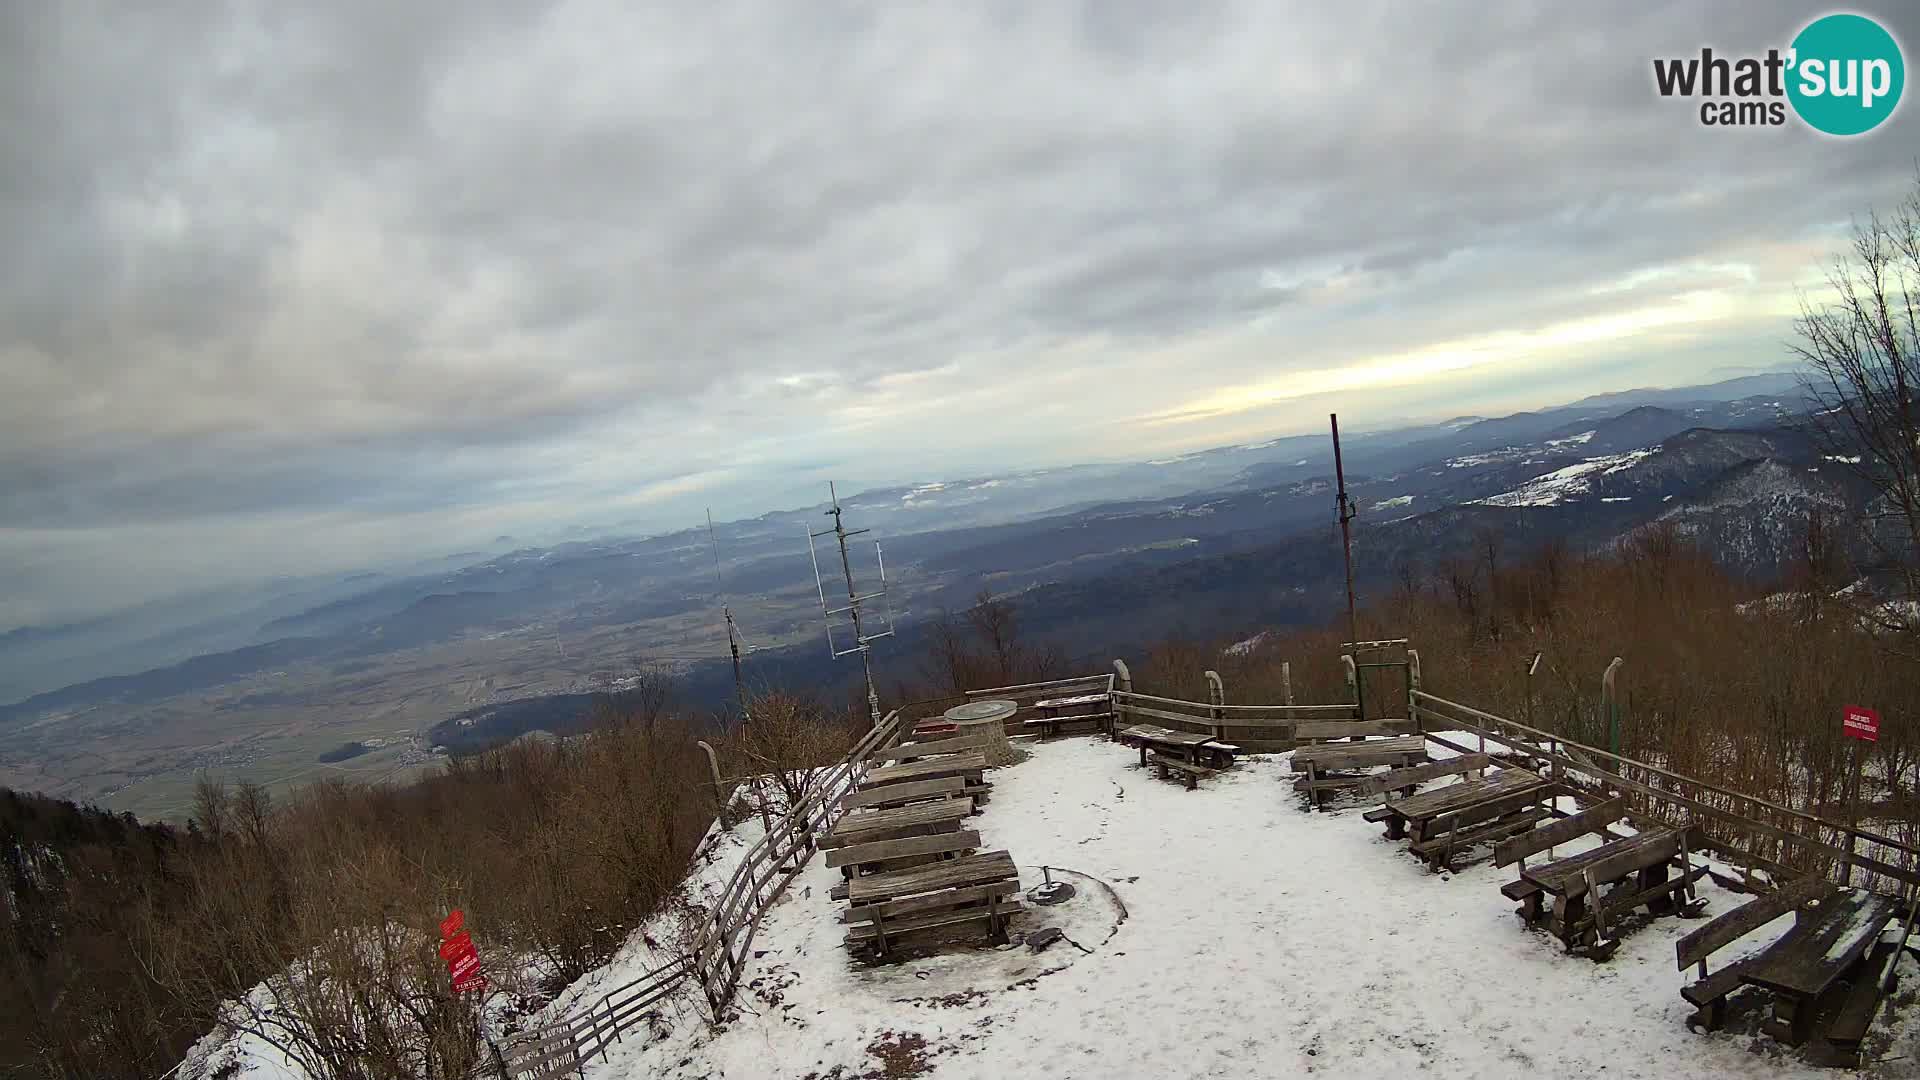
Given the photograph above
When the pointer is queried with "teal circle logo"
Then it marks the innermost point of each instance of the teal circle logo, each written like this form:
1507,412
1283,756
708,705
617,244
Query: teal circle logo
1846,74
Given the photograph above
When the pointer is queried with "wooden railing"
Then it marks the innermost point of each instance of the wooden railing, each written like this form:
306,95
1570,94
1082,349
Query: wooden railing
1752,832
1258,728
726,937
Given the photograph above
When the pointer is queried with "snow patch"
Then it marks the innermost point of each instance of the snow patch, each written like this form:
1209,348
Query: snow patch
1397,500
1564,485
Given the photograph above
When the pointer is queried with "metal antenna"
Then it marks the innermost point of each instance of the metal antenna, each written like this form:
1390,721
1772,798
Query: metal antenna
726,612
1347,514
862,641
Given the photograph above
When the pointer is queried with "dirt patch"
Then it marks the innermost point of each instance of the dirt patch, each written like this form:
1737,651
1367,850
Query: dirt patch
901,1055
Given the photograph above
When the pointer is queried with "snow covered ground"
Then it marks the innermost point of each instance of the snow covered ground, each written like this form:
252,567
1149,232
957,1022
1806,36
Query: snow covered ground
1258,939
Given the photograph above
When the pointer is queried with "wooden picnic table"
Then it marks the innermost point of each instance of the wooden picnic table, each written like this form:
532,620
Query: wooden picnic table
1415,811
895,908
1810,958
1197,748
919,819
1397,750
1057,711
969,764
1570,880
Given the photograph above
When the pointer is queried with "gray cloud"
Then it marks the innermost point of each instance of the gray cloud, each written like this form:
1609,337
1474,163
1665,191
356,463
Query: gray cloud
504,265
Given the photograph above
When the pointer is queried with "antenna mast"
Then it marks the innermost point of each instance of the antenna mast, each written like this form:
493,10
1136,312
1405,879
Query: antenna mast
1347,514
726,612
862,641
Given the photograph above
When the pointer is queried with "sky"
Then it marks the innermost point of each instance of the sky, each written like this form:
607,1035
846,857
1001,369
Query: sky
306,287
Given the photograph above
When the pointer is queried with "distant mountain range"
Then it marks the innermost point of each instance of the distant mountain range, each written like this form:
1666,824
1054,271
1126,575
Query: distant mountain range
1229,537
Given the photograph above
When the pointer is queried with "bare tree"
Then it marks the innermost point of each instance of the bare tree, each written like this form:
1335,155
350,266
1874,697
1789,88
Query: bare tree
1861,349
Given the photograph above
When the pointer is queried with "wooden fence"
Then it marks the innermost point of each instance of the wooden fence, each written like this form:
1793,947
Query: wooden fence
726,937
1751,832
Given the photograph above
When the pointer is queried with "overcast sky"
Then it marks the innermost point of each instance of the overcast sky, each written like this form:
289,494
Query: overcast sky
290,287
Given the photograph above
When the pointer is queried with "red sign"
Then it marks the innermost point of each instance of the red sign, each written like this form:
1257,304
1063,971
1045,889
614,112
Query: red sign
472,980
1861,723
456,946
463,965
451,925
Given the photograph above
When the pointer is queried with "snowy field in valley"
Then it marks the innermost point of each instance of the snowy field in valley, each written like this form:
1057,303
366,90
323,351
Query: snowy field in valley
1258,939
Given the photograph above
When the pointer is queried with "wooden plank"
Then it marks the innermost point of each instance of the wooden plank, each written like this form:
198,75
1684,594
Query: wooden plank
1360,754
1183,766
865,932
934,901
1808,958
901,794
1607,910
931,748
880,850
925,769
1311,730
1559,832
1465,793
1733,925
866,826
1855,1014
1490,829
1392,779
1181,739
956,873
1610,862
1179,718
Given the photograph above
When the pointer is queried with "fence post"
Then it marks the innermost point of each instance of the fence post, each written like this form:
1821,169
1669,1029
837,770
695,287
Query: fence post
1286,682
1126,677
1353,679
1217,695
713,763
1610,701
1413,687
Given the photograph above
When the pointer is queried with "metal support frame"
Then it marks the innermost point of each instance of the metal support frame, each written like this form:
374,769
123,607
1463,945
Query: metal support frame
862,641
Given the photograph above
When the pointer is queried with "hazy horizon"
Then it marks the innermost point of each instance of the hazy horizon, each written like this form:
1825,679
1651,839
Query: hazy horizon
305,290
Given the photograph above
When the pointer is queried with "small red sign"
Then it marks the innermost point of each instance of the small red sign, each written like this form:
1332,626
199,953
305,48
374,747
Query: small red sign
463,966
1861,723
457,945
451,925
472,980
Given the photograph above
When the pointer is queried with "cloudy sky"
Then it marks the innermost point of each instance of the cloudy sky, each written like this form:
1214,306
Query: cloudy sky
307,286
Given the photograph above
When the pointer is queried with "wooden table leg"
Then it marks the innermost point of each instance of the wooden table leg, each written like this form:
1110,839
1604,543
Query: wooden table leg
1650,877
1792,1019
1567,913
1396,827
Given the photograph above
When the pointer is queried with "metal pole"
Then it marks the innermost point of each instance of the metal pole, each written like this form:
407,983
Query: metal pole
853,608
1346,529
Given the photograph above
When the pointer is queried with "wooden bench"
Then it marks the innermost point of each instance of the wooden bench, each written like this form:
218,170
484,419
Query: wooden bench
1413,813
1546,838
883,855
969,765
1579,913
1328,765
1187,772
920,819
1826,944
926,748
945,787
1054,715
1708,993
908,906
1406,779
1855,1014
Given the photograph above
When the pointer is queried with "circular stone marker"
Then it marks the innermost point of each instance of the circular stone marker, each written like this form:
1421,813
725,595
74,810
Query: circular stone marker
989,717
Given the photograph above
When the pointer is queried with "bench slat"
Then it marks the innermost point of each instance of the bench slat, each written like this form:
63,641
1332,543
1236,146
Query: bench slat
1855,1015
1559,832
1310,730
987,866
1607,863
939,844
901,794
914,905
1420,774
865,932
1732,925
